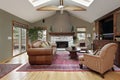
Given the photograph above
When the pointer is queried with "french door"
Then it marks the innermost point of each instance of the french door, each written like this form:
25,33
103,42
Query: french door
19,40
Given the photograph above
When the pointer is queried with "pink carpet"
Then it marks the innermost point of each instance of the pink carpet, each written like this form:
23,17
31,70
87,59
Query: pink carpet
61,62
6,68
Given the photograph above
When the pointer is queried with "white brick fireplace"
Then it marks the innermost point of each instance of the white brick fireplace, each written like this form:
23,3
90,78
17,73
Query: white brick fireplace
62,30
62,38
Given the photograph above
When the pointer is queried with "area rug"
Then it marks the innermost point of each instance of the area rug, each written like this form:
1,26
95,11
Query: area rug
6,68
61,62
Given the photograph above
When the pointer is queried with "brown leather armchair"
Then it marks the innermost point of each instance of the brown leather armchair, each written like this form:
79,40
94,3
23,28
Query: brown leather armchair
40,55
102,61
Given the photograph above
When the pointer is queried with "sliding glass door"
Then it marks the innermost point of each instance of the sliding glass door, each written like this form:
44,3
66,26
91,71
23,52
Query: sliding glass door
19,40
23,40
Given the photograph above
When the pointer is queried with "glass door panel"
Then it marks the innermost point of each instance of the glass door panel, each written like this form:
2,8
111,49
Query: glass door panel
23,42
19,40
16,40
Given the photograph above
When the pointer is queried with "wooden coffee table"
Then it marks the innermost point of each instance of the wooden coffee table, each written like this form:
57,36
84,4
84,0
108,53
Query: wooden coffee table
73,52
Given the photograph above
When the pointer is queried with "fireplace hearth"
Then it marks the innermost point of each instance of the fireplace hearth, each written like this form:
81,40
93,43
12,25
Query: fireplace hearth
62,44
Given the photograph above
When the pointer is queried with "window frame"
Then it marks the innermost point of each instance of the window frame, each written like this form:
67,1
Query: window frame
44,28
81,32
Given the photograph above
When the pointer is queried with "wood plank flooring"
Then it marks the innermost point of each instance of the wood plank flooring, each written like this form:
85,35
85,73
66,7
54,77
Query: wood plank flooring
54,75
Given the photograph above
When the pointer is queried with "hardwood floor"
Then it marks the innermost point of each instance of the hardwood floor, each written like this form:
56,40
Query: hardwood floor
54,75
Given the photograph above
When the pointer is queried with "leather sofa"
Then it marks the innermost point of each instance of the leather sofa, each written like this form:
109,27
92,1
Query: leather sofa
41,52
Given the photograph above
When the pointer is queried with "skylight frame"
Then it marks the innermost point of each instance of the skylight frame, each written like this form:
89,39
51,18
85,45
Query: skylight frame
86,3
38,2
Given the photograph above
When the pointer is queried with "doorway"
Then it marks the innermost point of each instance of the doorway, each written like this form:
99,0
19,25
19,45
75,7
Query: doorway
19,40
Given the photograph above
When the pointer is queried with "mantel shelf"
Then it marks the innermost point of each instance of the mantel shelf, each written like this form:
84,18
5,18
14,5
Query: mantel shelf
62,33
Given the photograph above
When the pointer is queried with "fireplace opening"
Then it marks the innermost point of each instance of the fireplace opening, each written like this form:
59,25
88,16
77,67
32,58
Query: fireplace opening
62,44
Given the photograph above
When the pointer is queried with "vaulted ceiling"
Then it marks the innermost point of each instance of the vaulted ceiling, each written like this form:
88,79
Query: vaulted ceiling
24,9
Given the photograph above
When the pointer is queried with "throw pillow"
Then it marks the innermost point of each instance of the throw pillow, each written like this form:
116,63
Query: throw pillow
46,43
97,52
49,43
36,44
43,45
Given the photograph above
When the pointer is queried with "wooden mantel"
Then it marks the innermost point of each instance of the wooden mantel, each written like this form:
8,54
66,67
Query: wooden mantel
62,33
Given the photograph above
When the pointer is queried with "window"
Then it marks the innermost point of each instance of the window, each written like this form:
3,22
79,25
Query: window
38,2
81,29
86,3
42,35
81,33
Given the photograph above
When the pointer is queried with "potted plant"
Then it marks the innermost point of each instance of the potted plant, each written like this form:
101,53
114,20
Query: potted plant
72,29
33,33
75,39
51,29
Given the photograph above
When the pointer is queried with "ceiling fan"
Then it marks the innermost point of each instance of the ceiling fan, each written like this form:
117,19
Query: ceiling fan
61,7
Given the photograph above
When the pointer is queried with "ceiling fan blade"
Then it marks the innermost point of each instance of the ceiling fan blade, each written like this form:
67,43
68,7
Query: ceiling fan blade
48,8
74,8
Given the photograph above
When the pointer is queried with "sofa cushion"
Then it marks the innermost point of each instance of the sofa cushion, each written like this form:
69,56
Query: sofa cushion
47,44
43,45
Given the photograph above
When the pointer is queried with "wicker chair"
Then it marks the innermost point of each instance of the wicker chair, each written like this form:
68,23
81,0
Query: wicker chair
102,61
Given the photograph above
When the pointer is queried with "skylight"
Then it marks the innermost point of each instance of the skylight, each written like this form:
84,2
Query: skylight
86,3
38,2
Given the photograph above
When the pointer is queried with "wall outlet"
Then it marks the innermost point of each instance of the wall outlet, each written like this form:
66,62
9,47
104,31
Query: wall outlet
9,37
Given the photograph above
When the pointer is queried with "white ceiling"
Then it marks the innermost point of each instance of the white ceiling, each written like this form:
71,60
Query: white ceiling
24,9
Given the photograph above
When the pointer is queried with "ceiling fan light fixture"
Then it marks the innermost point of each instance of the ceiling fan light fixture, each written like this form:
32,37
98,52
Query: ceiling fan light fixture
60,6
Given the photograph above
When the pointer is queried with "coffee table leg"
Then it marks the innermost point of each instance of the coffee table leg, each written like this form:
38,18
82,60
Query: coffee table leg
74,55
81,66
